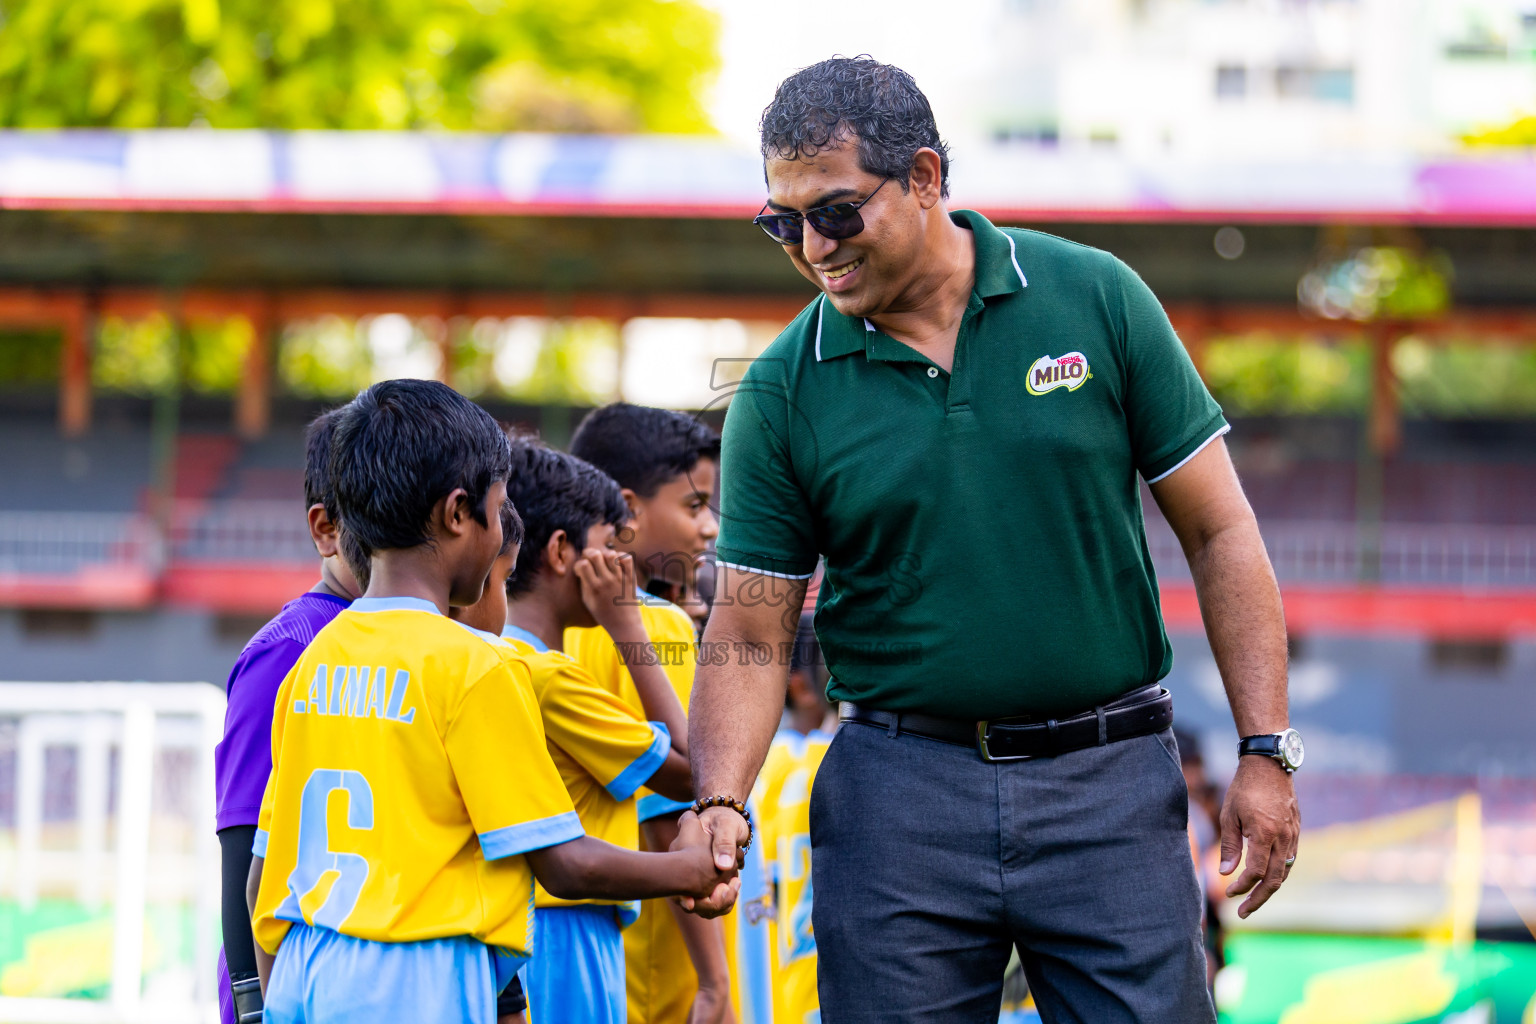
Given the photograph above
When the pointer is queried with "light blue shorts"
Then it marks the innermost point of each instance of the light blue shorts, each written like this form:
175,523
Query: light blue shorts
576,975
324,977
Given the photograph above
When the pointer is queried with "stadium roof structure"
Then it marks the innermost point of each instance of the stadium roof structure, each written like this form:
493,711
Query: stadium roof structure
690,176
276,226
647,215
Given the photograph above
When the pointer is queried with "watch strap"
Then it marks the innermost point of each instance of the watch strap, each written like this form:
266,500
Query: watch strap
1265,745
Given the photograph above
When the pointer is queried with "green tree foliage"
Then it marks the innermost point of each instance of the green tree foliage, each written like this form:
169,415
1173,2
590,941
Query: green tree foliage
29,360
528,359
1465,379
1257,374
1378,281
144,356
489,65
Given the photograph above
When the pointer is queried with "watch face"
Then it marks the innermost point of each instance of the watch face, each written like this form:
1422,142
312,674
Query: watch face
1292,749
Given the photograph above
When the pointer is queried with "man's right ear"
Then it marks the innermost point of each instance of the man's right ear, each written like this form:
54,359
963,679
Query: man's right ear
323,532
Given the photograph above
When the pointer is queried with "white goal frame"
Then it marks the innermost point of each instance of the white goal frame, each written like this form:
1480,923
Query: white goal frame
92,717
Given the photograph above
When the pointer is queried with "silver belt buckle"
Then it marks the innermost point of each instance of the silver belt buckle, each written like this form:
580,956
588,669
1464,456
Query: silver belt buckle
986,754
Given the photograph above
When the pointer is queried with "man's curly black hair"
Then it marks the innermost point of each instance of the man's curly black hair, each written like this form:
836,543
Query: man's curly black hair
878,104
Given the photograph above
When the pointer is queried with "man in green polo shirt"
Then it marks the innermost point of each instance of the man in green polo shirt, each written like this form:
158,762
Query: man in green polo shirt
957,425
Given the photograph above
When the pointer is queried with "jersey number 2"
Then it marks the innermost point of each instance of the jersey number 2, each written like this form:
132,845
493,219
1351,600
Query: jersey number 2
316,858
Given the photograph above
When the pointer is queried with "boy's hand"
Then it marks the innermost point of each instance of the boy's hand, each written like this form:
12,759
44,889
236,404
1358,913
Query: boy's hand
720,885
608,589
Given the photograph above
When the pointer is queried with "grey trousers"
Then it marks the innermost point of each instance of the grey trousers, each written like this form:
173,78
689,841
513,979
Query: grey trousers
929,864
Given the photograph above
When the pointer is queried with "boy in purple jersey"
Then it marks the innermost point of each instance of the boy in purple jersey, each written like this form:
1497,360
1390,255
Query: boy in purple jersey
243,759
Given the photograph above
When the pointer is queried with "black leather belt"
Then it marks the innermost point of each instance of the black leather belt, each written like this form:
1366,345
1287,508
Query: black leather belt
1139,713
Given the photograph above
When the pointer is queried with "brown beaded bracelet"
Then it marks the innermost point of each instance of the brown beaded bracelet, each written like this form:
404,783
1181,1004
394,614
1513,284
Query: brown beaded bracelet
705,802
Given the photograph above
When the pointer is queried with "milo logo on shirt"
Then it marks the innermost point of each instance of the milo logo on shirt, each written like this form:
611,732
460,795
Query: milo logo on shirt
1068,371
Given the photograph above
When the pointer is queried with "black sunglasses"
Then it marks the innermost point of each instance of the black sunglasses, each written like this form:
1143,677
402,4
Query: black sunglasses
839,220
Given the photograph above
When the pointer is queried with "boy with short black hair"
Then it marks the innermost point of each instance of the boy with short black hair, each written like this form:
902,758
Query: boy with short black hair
412,800
666,463
243,758
567,575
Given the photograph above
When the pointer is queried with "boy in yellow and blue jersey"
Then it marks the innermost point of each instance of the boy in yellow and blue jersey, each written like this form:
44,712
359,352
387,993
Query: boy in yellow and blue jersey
412,800
568,575
783,795
665,463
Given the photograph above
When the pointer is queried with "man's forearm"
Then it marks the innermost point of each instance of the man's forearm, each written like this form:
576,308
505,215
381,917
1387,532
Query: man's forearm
732,716
1240,603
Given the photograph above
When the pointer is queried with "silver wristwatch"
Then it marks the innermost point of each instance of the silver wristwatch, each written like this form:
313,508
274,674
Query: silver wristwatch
1285,748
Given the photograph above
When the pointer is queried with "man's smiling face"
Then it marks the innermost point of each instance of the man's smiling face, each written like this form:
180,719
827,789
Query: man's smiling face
862,275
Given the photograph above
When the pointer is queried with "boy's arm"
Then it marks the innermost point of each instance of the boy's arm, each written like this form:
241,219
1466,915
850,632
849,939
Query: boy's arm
608,588
535,818
674,779
264,960
703,938
588,868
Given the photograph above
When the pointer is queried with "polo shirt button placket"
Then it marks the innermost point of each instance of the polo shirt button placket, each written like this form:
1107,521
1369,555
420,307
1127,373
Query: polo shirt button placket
933,371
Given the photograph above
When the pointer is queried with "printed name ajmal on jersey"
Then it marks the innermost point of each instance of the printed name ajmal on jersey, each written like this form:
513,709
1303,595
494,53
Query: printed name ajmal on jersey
357,692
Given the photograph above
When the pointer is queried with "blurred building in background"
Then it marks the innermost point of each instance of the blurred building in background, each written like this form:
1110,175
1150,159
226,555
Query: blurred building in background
1276,79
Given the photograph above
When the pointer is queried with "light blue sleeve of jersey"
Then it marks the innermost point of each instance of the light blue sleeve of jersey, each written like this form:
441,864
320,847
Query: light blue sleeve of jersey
643,767
654,805
531,835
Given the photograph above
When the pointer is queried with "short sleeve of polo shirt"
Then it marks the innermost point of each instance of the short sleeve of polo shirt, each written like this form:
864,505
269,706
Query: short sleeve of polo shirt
497,715
1169,413
601,732
765,516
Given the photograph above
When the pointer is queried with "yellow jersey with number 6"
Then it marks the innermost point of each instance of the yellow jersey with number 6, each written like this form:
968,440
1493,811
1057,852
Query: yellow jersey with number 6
409,775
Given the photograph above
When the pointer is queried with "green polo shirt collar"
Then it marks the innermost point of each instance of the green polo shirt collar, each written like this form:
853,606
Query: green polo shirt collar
997,273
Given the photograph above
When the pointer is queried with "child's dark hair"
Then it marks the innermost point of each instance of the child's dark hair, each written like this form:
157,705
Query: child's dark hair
511,527
643,448
399,448
556,491
356,558
317,458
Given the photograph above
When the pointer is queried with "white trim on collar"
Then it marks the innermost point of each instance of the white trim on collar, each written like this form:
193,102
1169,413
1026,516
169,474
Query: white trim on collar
821,307
1013,254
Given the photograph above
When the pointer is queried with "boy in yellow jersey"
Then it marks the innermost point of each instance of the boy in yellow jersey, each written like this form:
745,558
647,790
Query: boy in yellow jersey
784,828
665,462
568,575
412,800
